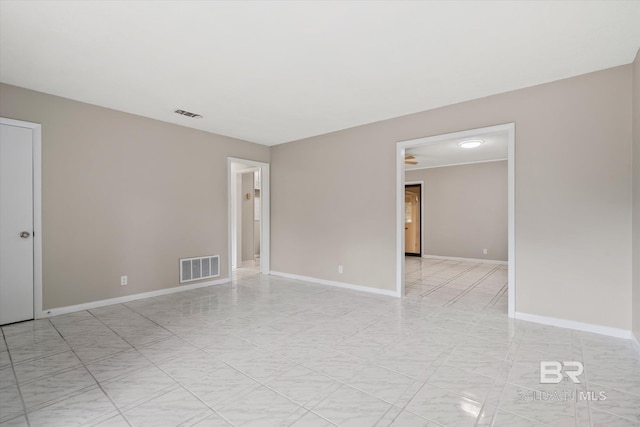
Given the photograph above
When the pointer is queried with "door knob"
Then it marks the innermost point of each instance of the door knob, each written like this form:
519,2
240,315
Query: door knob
25,234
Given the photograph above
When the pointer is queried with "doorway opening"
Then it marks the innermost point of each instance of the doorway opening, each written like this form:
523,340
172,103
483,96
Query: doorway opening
487,252
249,221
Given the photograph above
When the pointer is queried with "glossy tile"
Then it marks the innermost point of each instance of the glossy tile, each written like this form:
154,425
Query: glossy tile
265,350
462,382
593,417
213,420
117,421
312,420
10,402
27,327
87,408
381,383
132,389
556,410
261,407
619,403
335,364
20,421
303,386
31,338
226,383
503,418
5,360
407,419
350,407
118,364
260,364
38,368
170,409
444,407
93,352
37,350
7,377
56,387
166,349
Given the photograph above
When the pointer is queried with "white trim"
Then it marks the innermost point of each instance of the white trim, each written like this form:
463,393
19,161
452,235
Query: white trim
37,207
265,217
455,164
400,153
127,298
400,171
336,284
421,211
455,258
635,342
571,324
511,232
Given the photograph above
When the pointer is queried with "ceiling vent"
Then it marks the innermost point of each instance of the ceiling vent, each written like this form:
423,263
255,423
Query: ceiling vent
188,114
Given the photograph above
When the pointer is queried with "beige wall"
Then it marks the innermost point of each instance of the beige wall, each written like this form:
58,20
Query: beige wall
636,196
333,196
124,195
465,210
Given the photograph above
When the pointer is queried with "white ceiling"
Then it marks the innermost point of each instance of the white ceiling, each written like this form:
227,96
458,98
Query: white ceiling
272,72
448,152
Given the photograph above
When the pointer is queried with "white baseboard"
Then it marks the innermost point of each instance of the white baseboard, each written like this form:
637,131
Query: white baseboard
635,342
579,326
127,298
453,258
336,284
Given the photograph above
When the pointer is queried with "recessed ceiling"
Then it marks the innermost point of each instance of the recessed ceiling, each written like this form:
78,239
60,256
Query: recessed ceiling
273,72
448,152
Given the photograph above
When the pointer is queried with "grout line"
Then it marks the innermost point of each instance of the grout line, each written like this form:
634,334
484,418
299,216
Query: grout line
497,297
360,325
13,369
84,365
472,286
178,383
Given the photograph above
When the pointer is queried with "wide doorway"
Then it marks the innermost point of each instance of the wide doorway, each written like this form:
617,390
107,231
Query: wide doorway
462,185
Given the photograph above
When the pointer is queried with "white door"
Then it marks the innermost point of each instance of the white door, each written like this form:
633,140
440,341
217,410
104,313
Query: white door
16,224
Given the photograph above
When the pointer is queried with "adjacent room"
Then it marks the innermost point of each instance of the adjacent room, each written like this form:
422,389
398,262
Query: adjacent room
456,222
354,213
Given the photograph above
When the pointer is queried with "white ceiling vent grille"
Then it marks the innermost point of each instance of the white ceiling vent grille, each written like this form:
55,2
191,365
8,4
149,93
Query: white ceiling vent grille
188,114
199,268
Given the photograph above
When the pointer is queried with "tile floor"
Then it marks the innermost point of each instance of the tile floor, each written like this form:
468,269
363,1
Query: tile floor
268,351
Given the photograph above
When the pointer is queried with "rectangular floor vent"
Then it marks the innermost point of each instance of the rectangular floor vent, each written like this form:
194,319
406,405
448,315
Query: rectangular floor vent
199,268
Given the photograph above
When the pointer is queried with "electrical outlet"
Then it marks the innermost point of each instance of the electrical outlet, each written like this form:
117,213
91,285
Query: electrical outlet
484,251
123,280
340,269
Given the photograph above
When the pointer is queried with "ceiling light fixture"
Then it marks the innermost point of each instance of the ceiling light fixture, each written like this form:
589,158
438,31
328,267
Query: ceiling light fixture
471,143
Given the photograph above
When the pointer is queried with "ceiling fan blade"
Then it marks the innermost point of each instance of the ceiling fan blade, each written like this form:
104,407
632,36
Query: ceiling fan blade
407,162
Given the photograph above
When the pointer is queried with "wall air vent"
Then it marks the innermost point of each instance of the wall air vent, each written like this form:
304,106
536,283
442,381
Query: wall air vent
188,114
199,268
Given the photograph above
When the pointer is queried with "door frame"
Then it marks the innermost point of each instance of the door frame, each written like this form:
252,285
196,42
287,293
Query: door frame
265,217
36,129
400,170
421,211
